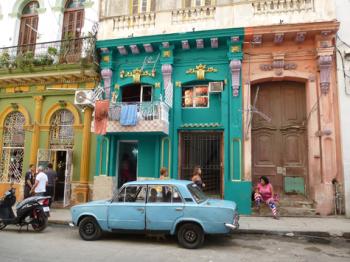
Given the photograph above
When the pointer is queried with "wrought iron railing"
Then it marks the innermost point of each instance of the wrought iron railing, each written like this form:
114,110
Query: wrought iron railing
67,51
147,111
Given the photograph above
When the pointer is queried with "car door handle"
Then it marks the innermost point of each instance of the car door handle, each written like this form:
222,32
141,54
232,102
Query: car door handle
140,209
179,209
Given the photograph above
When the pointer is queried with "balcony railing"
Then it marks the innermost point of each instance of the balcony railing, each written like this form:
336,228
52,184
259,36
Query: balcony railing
132,21
276,6
146,111
151,117
193,14
47,54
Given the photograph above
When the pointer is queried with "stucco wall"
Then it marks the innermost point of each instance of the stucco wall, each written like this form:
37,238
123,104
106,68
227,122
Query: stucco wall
343,46
50,20
226,14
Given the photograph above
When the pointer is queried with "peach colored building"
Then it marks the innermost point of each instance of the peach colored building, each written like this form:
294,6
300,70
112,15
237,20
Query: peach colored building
291,119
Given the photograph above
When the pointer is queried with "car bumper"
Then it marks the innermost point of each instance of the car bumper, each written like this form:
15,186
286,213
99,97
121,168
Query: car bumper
232,227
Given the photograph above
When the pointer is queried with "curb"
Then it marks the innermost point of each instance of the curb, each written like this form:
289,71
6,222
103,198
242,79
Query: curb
315,235
306,234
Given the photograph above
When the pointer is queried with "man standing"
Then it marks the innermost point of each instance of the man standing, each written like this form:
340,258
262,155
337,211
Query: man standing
40,184
29,180
52,177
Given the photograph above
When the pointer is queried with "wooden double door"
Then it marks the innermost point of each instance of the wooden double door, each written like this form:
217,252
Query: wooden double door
279,146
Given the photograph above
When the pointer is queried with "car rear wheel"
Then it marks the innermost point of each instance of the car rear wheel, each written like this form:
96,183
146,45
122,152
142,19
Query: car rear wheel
190,236
89,229
2,225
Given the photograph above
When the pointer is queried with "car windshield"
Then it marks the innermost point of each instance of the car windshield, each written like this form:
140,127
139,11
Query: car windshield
197,193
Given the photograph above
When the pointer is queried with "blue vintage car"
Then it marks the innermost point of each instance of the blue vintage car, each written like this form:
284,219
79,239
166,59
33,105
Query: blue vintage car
173,207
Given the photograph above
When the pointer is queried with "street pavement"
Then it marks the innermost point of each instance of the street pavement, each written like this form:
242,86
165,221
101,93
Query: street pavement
317,226
61,243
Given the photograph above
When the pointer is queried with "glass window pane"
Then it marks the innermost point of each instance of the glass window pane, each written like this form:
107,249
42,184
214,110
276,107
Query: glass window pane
176,196
134,194
187,97
159,194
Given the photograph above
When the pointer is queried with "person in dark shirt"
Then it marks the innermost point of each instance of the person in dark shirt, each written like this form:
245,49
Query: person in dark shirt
52,177
29,180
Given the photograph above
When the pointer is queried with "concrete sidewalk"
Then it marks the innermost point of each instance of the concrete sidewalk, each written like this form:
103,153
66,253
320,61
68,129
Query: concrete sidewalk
290,226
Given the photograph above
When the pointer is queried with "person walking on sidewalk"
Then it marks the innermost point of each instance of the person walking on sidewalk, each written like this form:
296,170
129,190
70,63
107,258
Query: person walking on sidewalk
40,184
29,180
51,177
264,194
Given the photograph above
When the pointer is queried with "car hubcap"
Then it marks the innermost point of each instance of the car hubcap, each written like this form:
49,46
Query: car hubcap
89,228
190,236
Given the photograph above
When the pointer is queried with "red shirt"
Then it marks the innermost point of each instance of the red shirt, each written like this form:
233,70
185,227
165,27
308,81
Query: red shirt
265,191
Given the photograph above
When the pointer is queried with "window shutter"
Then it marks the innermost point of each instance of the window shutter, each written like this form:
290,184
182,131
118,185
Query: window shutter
187,3
135,7
153,6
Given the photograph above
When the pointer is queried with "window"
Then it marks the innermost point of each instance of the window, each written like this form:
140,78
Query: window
61,129
73,22
197,193
163,194
197,3
137,93
12,148
28,27
133,193
142,6
195,96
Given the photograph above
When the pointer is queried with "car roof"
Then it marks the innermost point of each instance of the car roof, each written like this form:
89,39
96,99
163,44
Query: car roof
160,182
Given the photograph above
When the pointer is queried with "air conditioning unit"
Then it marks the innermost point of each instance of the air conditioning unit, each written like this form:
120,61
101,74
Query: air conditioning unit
84,97
216,87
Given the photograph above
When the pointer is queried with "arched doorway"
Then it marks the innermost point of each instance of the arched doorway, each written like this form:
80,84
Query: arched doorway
13,148
279,146
61,144
28,27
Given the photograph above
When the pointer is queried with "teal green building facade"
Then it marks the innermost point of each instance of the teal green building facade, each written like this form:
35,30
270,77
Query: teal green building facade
187,91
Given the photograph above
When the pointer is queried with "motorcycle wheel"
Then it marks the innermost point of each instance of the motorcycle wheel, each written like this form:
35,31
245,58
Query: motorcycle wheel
2,225
40,223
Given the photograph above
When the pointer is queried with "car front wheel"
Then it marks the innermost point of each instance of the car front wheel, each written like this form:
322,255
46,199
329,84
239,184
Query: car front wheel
89,229
190,236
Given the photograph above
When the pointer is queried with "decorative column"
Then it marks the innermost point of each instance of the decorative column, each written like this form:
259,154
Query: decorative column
235,66
82,190
36,128
325,64
326,132
107,79
167,70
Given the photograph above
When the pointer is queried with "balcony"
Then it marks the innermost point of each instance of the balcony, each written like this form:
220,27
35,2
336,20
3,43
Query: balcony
142,20
281,6
44,61
193,14
151,117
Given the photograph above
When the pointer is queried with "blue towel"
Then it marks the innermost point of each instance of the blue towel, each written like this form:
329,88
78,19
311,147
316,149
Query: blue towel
128,115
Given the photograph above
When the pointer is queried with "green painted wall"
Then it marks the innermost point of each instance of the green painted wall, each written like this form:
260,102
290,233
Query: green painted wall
224,108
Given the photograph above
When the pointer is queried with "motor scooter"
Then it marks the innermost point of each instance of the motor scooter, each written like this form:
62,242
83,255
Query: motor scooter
32,211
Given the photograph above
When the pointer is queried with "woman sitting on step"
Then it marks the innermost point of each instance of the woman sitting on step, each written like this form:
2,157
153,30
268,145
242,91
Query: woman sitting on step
264,194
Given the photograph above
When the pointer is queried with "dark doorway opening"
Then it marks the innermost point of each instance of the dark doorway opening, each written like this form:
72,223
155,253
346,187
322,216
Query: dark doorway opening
203,149
127,161
137,93
60,167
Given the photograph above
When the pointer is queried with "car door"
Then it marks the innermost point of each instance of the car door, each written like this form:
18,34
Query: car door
127,211
164,206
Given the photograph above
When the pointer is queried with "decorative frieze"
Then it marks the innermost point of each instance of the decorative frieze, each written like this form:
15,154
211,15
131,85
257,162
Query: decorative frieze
278,64
281,6
136,74
235,66
200,71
